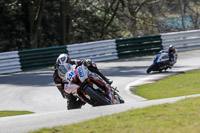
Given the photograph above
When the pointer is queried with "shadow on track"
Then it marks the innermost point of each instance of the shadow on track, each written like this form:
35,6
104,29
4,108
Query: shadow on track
41,77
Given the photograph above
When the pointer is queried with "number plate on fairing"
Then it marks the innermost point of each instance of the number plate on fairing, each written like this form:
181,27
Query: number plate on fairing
80,72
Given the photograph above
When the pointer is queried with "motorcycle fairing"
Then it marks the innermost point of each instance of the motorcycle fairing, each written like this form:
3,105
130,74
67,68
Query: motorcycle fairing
161,60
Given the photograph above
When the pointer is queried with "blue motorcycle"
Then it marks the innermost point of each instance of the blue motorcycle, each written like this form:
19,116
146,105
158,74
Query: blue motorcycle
161,62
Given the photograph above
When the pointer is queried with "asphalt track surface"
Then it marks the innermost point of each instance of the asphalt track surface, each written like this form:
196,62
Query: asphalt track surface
35,91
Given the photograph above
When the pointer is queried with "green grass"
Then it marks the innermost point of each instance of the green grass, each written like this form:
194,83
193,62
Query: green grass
12,113
179,85
179,117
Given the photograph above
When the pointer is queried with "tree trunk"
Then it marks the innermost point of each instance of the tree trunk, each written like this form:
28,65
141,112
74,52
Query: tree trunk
35,21
65,21
133,13
31,16
182,14
107,24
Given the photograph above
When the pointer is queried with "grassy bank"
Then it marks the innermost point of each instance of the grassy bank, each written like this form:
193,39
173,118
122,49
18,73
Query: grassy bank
180,117
12,113
178,85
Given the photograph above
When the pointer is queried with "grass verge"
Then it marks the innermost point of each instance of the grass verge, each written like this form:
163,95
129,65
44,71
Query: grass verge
178,85
180,117
12,113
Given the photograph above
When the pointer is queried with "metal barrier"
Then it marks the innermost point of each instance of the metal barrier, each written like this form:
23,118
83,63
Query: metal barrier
40,58
16,61
138,46
185,40
9,62
96,51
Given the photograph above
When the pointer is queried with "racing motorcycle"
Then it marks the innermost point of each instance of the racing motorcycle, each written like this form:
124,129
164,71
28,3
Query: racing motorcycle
160,62
89,87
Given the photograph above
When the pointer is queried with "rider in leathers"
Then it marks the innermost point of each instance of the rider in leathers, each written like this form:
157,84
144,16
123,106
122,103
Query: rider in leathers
72,101
172,53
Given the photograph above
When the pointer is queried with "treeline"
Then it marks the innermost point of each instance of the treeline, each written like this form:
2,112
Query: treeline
28,24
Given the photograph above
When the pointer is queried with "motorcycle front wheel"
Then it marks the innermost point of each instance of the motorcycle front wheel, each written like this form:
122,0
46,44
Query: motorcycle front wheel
119,98
97,98
150,68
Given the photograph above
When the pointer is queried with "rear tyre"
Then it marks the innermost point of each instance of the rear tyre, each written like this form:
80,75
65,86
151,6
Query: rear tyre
72,103
98,98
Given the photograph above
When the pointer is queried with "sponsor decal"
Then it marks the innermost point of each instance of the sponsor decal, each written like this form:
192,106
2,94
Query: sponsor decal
80,72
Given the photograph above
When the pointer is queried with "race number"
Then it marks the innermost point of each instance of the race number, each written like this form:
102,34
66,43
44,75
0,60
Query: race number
70,75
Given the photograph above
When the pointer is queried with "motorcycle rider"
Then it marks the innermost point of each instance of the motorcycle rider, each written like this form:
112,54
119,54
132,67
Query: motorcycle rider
172,53
64,61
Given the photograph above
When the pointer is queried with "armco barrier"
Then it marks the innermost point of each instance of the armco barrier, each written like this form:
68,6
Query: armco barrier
9,62
138,46
99,50
185,40
96,51
40,58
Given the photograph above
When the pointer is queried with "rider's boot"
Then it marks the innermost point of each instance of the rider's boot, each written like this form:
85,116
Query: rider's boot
108,81
95,70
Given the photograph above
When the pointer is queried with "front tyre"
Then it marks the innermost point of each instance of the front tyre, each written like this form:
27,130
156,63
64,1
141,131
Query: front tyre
150,68
98,98
119,99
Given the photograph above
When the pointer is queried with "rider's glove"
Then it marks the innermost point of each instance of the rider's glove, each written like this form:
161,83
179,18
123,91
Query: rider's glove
87,62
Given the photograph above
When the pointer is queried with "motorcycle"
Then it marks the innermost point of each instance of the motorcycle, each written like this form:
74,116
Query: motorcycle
160,62
91,89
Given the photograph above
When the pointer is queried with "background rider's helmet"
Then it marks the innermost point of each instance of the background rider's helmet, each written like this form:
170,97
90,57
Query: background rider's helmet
172,49
63,65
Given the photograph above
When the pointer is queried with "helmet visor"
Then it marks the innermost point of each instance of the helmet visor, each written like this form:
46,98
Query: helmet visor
63,69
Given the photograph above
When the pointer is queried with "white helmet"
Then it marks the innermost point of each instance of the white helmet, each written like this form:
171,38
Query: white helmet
63,65
62,59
